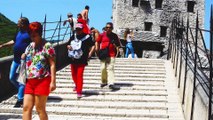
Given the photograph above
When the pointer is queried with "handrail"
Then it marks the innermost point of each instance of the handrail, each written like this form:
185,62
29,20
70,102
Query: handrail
53,31
197,57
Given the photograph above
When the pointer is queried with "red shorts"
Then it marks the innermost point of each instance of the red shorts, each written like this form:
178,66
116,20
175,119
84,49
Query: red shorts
38,86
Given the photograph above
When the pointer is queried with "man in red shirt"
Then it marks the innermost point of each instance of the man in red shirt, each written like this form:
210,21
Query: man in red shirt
111,40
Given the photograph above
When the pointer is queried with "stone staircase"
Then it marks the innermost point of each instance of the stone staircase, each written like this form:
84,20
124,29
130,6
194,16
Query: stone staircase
147,92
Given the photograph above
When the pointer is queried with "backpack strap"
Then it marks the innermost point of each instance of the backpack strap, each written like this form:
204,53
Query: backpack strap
82,39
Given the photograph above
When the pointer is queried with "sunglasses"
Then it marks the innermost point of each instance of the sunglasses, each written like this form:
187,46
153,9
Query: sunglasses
109,27
78,29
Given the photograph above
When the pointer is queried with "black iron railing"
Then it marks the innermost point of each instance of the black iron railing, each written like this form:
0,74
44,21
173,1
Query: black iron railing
187,43
53,31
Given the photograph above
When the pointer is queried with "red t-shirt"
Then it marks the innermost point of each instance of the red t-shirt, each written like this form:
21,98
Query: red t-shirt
86,29
104,40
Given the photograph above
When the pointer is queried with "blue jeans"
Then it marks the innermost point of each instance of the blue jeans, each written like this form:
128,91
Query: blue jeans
13,80
129,47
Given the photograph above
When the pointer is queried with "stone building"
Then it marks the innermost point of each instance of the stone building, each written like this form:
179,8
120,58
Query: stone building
151,20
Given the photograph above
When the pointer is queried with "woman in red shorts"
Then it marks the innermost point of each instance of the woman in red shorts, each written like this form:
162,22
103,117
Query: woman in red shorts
41,73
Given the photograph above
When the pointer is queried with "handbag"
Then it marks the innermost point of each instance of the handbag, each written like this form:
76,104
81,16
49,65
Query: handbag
22,76
104,53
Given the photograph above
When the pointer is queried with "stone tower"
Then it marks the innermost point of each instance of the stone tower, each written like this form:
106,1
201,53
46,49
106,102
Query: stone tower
151,20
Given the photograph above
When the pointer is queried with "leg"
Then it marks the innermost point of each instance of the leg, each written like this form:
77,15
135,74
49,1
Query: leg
110,70
103,72
40,103
21,92
28,106
13,74
127,51
79,82
13,79
74,73
132,50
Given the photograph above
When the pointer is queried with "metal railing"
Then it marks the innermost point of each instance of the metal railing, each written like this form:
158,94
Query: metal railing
56,34
187,43
53,31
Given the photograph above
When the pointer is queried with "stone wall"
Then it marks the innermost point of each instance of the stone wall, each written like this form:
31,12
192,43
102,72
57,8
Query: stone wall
127,16
124,15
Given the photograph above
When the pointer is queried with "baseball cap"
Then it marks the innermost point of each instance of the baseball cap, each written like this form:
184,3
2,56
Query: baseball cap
79,25
69,14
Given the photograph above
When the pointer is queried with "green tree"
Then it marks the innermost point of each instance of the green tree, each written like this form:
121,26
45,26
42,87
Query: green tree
8,31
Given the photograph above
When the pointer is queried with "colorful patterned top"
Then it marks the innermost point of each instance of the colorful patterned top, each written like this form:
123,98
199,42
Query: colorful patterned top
37,65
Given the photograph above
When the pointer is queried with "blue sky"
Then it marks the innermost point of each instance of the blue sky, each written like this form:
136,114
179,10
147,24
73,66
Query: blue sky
207,20
100,10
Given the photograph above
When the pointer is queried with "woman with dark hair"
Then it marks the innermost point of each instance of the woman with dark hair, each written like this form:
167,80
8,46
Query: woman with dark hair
41,73
128,36
21,41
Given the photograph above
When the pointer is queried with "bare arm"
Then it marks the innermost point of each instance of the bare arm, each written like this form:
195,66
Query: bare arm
97,46
96,35
117,51
117,47
86,15
91,51
11,42
53,73
65,22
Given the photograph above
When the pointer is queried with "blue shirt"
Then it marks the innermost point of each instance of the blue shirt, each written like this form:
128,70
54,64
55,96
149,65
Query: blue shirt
21,42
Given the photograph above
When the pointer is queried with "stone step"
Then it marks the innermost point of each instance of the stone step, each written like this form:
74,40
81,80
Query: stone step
96,81
107,91
94,112
122,87
100,104
92,71
108,97
126,60
119,80
118,75
122,67
12,116
151,66
129,60
129,63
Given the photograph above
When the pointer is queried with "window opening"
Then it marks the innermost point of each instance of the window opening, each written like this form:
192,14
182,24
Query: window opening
148,26
163,31
158,4
190,6
135,3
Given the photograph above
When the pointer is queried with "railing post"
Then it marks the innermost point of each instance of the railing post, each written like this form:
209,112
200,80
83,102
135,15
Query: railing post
195,67
186,59
59,31
210,68
172,41
174,45
44,26
181,54
178,35
170,46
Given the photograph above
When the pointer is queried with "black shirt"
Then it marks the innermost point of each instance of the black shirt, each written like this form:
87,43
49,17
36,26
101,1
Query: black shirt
86,45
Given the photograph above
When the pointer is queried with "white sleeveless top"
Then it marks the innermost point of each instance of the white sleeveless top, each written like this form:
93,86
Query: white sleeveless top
129,38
